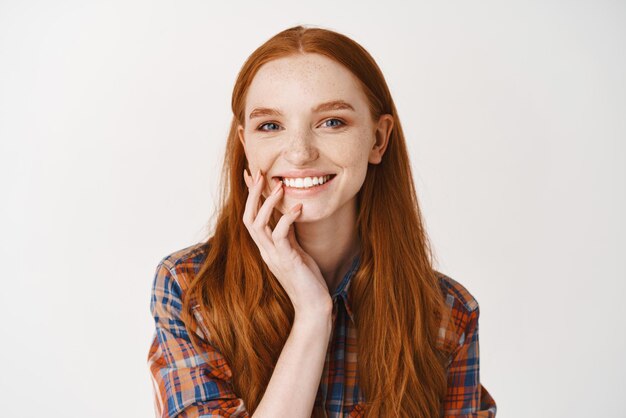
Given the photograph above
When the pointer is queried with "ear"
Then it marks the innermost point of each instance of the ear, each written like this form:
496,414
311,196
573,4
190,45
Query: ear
382,134
240,131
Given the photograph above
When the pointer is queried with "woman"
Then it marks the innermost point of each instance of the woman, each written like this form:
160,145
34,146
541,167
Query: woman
318,258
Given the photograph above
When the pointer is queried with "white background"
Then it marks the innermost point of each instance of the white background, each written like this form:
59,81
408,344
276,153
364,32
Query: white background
113,118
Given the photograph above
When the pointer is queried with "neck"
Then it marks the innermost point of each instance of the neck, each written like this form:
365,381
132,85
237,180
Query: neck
331,242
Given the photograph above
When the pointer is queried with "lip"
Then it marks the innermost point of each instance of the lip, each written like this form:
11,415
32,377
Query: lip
302,173
311,191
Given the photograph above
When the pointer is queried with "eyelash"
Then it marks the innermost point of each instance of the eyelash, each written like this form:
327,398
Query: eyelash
274,123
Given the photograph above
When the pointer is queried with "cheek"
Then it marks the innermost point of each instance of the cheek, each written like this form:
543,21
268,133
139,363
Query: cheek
354,154
259,157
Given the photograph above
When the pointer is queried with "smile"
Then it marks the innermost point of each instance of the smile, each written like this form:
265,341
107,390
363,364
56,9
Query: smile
306,182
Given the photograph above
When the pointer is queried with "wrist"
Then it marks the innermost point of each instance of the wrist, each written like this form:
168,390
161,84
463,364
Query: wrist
316,320
314,310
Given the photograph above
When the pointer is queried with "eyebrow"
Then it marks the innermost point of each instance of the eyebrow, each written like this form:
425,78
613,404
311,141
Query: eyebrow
332,105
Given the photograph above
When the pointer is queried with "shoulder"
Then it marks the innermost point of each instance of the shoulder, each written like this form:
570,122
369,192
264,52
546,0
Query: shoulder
174,273
456,293
181,266
460,316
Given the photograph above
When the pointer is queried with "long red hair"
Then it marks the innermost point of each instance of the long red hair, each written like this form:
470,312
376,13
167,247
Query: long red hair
397,302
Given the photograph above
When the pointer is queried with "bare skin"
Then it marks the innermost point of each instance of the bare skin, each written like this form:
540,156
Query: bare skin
281,251
287,131
315,239
299,367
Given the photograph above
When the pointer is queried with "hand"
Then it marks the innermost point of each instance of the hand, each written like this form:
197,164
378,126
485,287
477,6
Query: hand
295,270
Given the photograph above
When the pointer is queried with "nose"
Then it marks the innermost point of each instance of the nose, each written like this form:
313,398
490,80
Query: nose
300,149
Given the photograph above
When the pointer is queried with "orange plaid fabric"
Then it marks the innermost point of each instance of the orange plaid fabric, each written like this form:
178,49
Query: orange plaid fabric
187,385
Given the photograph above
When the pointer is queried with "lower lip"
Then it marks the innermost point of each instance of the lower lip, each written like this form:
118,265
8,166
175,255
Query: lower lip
311,191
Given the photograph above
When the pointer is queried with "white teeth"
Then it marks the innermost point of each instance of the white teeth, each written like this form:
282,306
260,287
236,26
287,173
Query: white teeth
305,182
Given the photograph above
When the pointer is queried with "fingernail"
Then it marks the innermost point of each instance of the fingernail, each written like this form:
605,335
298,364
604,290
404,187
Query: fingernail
257,176
296,208
277,188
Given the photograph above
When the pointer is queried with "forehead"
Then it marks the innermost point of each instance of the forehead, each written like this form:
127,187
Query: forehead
306,80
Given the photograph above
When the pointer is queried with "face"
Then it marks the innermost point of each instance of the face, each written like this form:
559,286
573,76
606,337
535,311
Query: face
308,125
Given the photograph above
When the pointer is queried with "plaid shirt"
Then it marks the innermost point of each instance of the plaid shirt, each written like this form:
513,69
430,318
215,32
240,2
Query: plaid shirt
186,385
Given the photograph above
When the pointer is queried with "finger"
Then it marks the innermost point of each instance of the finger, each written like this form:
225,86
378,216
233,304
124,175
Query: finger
293,241
254,193
247,178
292,238
261,228
252,203
260,231
283,229
264,214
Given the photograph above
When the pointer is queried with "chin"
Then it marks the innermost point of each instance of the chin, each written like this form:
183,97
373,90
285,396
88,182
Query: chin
312,214
306,219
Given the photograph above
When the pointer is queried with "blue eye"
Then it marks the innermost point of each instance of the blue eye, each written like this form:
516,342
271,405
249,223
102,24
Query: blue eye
338,120
335,125
267,123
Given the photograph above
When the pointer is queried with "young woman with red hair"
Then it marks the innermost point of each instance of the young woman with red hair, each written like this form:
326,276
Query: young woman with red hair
315,295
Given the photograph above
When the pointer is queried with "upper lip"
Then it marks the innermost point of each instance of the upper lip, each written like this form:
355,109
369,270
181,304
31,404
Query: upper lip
303,173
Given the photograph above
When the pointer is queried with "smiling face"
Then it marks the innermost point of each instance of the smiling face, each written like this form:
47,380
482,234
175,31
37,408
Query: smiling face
308,124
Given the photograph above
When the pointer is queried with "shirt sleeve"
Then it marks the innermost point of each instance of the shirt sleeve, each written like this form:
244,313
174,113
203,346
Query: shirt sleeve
185,383
466,397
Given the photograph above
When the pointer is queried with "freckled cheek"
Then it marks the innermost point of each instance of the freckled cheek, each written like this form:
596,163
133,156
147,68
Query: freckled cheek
351,161
261,157
353,155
